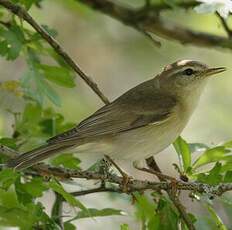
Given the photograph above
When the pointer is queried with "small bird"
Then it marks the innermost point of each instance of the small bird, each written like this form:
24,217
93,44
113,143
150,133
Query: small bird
140,123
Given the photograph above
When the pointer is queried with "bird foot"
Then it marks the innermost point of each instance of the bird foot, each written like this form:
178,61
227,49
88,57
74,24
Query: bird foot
125,177
125,182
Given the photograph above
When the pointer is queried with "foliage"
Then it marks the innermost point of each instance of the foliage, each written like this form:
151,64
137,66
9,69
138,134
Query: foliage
19,204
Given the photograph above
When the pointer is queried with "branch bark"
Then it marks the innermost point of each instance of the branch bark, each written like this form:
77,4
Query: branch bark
95,190
57,210
149,19
225,25
133,184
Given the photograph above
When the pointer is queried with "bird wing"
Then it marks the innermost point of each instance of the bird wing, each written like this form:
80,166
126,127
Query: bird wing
136,108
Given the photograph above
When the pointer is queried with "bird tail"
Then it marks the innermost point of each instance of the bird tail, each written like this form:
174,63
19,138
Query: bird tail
34,156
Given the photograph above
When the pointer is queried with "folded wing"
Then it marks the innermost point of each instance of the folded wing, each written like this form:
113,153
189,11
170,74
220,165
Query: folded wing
132,110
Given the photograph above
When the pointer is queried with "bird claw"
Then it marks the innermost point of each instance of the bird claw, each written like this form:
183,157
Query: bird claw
125,182
125,177
173,186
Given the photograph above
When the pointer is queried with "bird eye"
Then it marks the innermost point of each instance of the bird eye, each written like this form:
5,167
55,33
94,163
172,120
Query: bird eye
188,71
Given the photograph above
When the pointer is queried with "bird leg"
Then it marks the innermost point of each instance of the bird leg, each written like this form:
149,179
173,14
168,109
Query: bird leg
151,163
125,177
104,167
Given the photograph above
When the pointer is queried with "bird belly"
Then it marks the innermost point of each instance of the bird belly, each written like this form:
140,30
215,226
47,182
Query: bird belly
144,142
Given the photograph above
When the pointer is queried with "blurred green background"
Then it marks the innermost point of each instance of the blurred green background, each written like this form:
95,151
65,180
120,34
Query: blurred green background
118,58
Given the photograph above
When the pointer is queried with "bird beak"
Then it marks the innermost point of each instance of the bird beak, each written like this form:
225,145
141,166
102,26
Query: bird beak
213,71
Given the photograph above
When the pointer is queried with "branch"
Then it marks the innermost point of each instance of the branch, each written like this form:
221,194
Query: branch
158,7
225,25
95,190
42,169
57,210
133,184
23,14
148,19
173,196
8,152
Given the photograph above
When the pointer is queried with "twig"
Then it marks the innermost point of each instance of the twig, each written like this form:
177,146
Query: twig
8,151
57,210
146,34
225,25
173,196
157,173
162,6
115,165
95,190
133,184
149,20
23,14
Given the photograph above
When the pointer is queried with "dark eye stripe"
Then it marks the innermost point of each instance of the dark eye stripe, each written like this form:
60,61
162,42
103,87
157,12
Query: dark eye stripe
188,71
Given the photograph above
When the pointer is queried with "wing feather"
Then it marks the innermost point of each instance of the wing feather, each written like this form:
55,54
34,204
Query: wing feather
138,107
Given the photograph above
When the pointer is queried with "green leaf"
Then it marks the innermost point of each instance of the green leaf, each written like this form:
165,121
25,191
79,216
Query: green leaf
3,48
69,226
92,212
145,208
24,217
196,147
66,160
35,187
226,167
53,123
32,113
26,84
147,212
228,177
27,3
7,178
27,124
183,151
8,198
124,227
34,84
168,216
58,75
228,144
216,218
9,142
213,177
47,90
212,155
12,43
67,196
